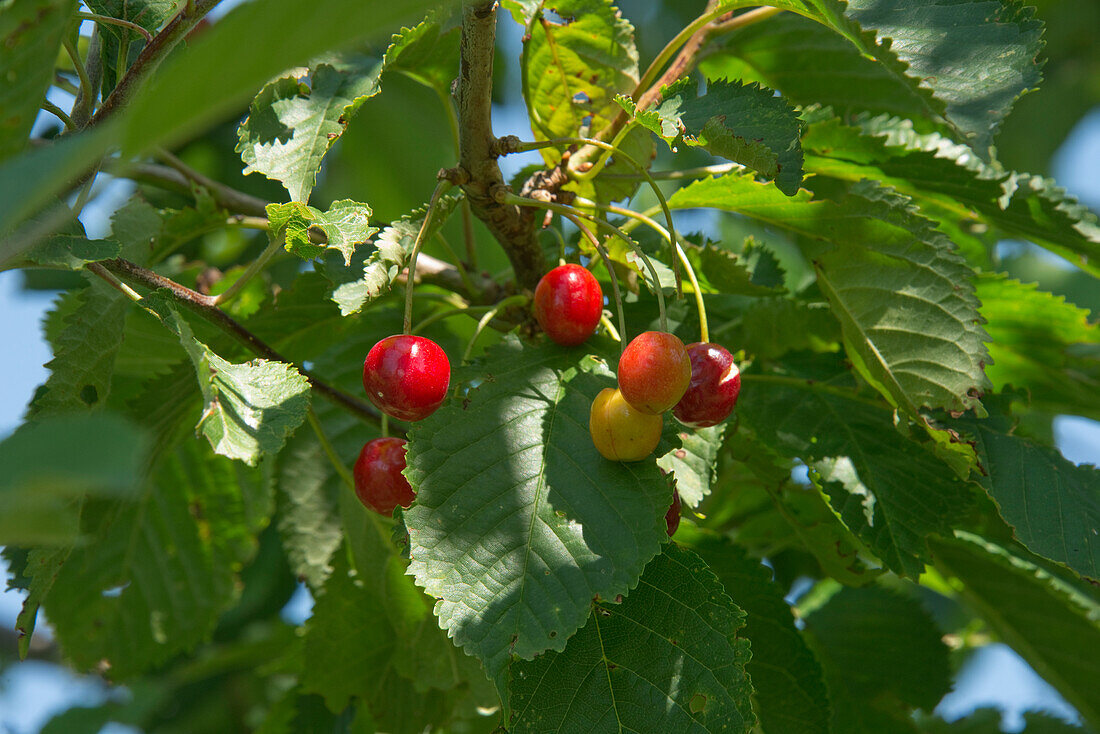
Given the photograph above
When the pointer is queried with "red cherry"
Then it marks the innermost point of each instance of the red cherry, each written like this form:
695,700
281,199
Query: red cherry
568,304
654,371
715,385
406,376
619,432
672,517
379,483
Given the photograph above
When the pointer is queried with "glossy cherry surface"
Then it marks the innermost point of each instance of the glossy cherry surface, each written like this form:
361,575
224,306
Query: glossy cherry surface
654,371
406,376
672,517
620,432
568,304
379,483
715,385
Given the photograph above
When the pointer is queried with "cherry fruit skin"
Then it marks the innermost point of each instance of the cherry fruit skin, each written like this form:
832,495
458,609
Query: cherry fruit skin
715,385
672,517
568,304
619,431
654,371
406,376
379,483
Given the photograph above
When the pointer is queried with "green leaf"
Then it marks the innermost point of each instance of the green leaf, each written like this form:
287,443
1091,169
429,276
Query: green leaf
345,226
744,123
84,353
31,32
667,658
881,653
1042,344
754,272
294,120
199,86
507,479
892,491
773,327
249,409
149,14
1052,504
1045,620
428,52
159,571
51,464
43,565
959,65
694,464
355,289
789,690
572,67
71,252
954,186
904,298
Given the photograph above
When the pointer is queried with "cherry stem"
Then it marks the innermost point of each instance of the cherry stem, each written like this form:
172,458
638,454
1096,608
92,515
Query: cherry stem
254,267
516,300
440,189
385,426
704,331
611,330
572,213
610,271
330,452
613,147
116,21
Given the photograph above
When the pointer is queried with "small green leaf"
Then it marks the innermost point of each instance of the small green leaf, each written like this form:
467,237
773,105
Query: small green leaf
744,123
694,464
345,226
669,657
754,272
381,267
71,252
248,409
507,479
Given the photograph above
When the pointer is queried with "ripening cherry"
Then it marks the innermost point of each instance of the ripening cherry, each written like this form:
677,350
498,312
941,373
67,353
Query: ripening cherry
715,385
619,431
672,517
654,371
379,483
406,376
568,304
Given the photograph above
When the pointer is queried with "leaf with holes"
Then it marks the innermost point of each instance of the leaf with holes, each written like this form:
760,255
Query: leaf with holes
695,462
344,227
669,657
519,522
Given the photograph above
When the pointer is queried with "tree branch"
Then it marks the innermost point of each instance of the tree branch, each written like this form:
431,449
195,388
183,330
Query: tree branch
154,52
204,307
513,227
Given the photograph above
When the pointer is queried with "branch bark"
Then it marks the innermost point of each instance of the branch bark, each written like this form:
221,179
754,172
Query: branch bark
512,226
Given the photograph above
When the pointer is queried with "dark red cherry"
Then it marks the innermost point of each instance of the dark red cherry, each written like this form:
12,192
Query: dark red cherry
568,304
379,483
654,371
715,385
672,517
406,376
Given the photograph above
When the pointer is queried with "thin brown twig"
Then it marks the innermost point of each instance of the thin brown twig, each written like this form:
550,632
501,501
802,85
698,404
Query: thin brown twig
203,306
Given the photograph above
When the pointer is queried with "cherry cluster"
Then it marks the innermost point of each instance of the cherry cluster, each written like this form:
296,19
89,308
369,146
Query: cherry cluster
699,383
406,377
